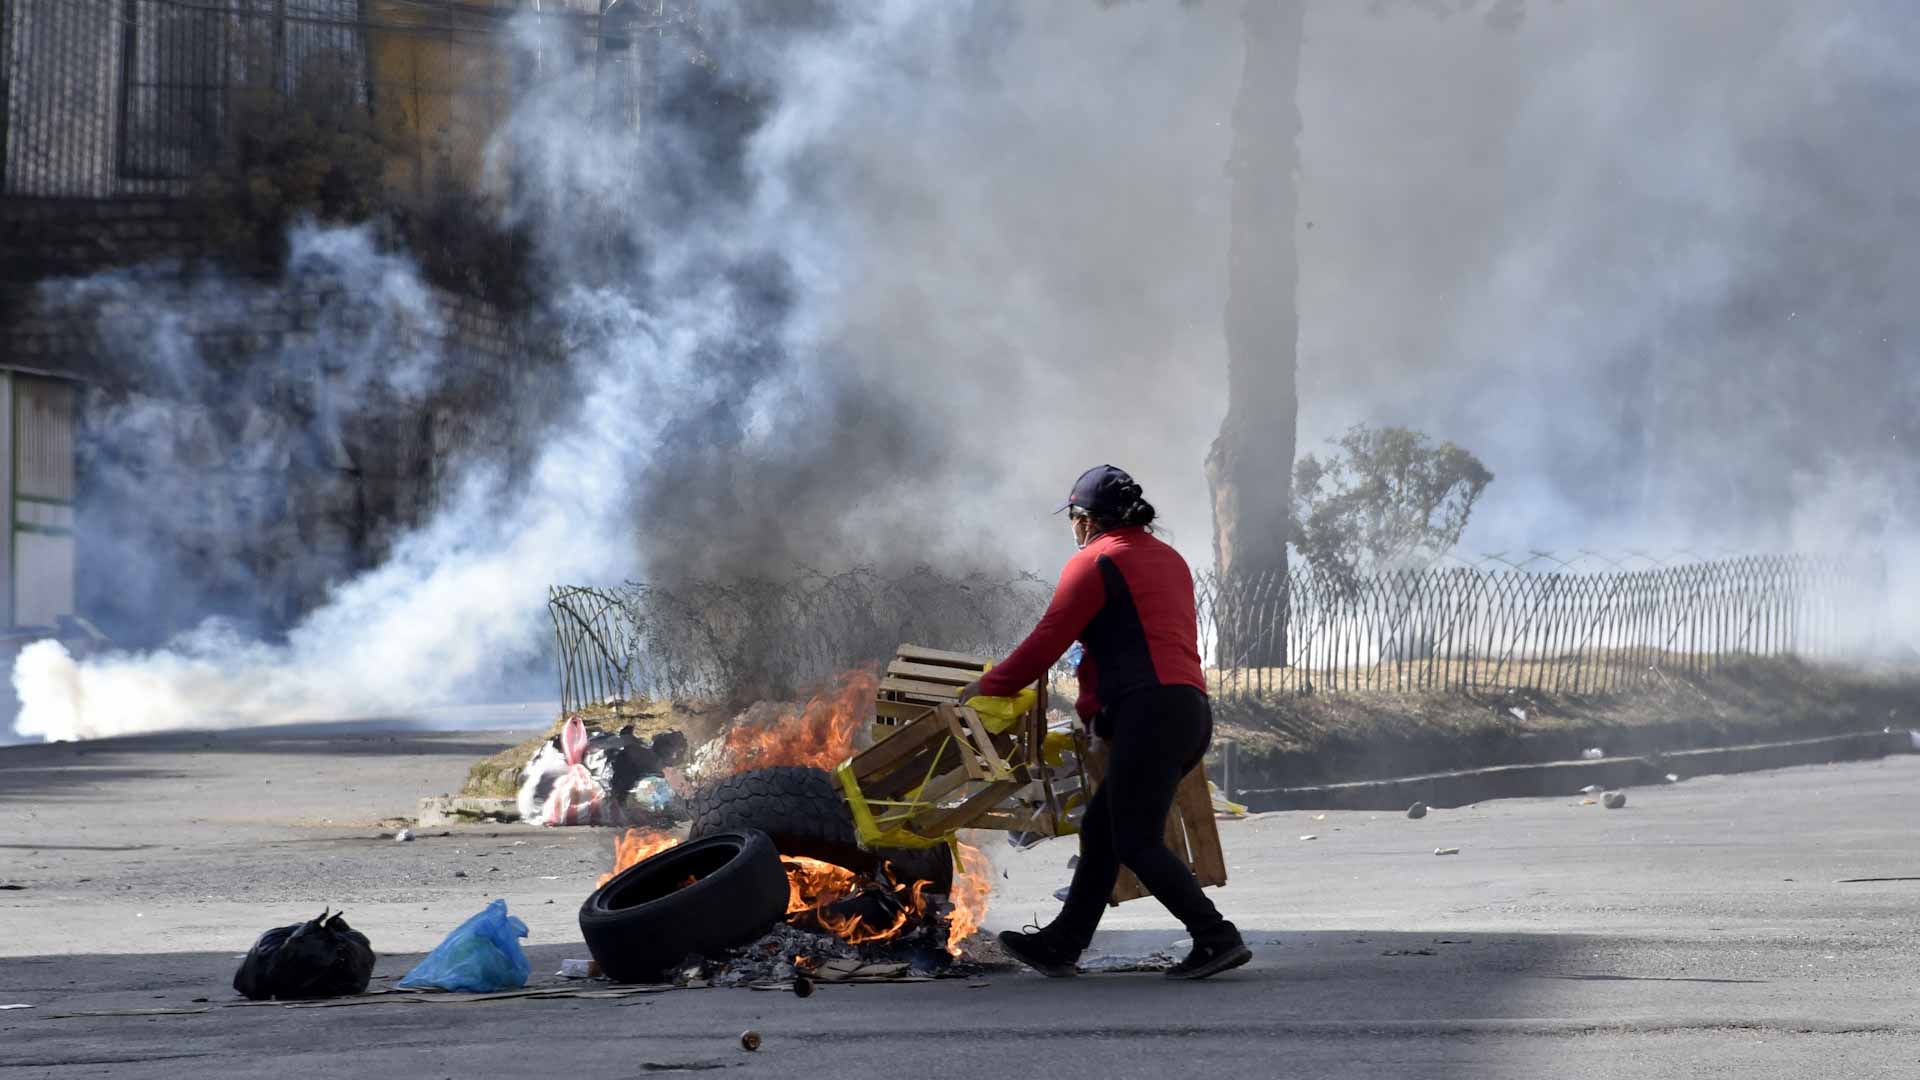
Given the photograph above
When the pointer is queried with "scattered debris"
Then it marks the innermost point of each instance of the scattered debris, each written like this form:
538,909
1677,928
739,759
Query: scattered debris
1409,952
4,1008
1614,800
12,886
482,955
459,873
1417,811
1592,789
1593,753
1223,806
802,986
320,958
578,969
863,971
750,1040
1673,778
403,836
1519,713
1446,851
1311,836
1113,965
1319,817
1589,802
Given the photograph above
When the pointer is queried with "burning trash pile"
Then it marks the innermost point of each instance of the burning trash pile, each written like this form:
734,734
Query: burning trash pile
585,777
770,883
658,919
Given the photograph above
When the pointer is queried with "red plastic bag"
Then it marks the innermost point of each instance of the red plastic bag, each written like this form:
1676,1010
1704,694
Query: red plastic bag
577,798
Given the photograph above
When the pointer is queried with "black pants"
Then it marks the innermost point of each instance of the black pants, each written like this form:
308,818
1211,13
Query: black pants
1158,735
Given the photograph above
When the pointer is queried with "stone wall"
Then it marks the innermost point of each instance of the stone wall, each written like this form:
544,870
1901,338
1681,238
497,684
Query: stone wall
47,237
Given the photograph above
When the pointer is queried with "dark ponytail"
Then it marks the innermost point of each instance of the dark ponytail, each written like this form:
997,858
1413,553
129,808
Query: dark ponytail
1138,512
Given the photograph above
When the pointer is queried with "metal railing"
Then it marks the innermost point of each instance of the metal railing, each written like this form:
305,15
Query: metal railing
1484,626
102,98
1563,631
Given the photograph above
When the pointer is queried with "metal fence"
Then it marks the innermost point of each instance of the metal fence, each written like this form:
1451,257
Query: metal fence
115,97
1564,631
1489,626
760,638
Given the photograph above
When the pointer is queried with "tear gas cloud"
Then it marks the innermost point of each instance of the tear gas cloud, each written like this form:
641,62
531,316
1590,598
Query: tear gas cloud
877,282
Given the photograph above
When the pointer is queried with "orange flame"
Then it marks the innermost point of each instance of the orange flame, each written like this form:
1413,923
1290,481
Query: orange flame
820,734
972,890
635,845
812,886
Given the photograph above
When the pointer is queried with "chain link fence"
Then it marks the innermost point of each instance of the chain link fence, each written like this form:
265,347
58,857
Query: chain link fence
1588,625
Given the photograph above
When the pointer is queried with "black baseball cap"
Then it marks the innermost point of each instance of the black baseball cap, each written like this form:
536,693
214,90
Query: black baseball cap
1103,491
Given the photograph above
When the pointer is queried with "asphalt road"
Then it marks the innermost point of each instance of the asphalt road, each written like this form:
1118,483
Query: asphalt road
1707,929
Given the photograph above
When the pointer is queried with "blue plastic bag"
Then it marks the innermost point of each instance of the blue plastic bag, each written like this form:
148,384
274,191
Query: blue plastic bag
482,955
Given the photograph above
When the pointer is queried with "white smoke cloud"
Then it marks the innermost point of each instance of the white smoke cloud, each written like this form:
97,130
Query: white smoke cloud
1646,260
460,597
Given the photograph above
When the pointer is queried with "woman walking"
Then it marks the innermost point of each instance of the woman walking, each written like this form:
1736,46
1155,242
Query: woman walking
1128,599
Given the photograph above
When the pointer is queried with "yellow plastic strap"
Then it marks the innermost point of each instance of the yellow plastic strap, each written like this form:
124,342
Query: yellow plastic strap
1055,748
1000,714
867,828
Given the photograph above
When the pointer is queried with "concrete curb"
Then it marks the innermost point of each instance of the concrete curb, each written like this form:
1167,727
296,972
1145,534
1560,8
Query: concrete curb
1465,786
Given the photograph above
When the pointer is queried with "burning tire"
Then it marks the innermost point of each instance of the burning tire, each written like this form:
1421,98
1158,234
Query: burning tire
804,812
697,898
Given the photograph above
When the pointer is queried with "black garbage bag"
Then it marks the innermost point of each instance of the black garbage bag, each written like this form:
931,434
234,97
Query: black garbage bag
321,958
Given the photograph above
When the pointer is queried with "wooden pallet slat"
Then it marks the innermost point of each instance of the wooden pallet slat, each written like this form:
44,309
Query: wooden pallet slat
894,684
922,654
944,676
1194,804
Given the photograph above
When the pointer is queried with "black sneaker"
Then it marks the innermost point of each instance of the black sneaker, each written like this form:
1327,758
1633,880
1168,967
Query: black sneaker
1039,951
1212,957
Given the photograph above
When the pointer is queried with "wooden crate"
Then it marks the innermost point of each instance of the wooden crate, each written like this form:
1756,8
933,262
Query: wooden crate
925,739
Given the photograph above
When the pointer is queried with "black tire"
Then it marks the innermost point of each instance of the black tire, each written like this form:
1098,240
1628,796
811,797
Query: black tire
643,922
806,814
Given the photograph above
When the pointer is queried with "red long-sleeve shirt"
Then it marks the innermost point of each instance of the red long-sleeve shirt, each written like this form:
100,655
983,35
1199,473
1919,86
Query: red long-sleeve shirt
1128,598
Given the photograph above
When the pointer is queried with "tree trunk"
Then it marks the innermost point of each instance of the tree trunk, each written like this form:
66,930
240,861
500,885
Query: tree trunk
1250,466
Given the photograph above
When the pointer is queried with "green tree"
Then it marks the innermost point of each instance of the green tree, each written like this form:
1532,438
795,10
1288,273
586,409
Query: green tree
1383,499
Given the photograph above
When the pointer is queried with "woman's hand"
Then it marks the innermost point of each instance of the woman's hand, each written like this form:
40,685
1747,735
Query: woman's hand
970,691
